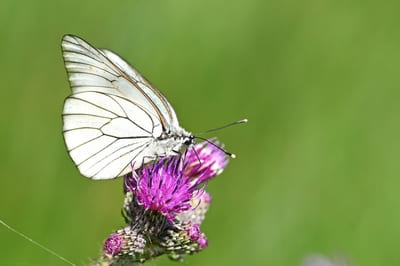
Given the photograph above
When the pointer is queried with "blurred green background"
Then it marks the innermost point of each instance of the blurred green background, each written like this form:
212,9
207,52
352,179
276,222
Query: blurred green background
317,168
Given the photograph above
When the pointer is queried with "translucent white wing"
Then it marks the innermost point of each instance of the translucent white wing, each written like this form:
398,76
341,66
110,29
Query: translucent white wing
113,114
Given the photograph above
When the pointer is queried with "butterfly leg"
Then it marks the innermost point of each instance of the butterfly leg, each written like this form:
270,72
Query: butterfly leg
179,154
197,156
154,160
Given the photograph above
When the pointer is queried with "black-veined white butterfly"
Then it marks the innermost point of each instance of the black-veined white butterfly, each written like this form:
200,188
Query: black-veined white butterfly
114,117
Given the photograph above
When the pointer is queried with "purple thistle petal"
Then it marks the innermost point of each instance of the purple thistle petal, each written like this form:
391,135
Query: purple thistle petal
205,160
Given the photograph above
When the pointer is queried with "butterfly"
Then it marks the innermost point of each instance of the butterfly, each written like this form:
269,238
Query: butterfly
115,118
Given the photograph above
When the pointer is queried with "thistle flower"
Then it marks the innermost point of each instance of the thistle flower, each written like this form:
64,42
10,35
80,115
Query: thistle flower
126,241
165,205
113,244
164,187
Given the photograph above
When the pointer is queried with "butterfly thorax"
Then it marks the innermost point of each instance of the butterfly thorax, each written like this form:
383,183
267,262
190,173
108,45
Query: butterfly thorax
170,143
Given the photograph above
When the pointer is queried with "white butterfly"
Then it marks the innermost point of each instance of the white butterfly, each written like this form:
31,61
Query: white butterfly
114,116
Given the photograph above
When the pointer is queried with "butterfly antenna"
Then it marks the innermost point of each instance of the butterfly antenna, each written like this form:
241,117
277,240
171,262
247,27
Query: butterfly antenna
36,243
228,125
218,147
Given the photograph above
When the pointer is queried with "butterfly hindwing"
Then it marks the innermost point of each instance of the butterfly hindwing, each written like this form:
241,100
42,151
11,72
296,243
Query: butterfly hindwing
98,138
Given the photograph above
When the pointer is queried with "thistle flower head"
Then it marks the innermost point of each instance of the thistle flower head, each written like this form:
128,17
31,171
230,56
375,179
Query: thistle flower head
125,241
113,244
164,188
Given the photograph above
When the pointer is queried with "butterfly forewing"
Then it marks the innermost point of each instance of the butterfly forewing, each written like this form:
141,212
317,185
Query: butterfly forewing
155,95
113,114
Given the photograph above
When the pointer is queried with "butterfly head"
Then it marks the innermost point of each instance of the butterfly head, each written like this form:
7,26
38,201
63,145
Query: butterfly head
189,140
